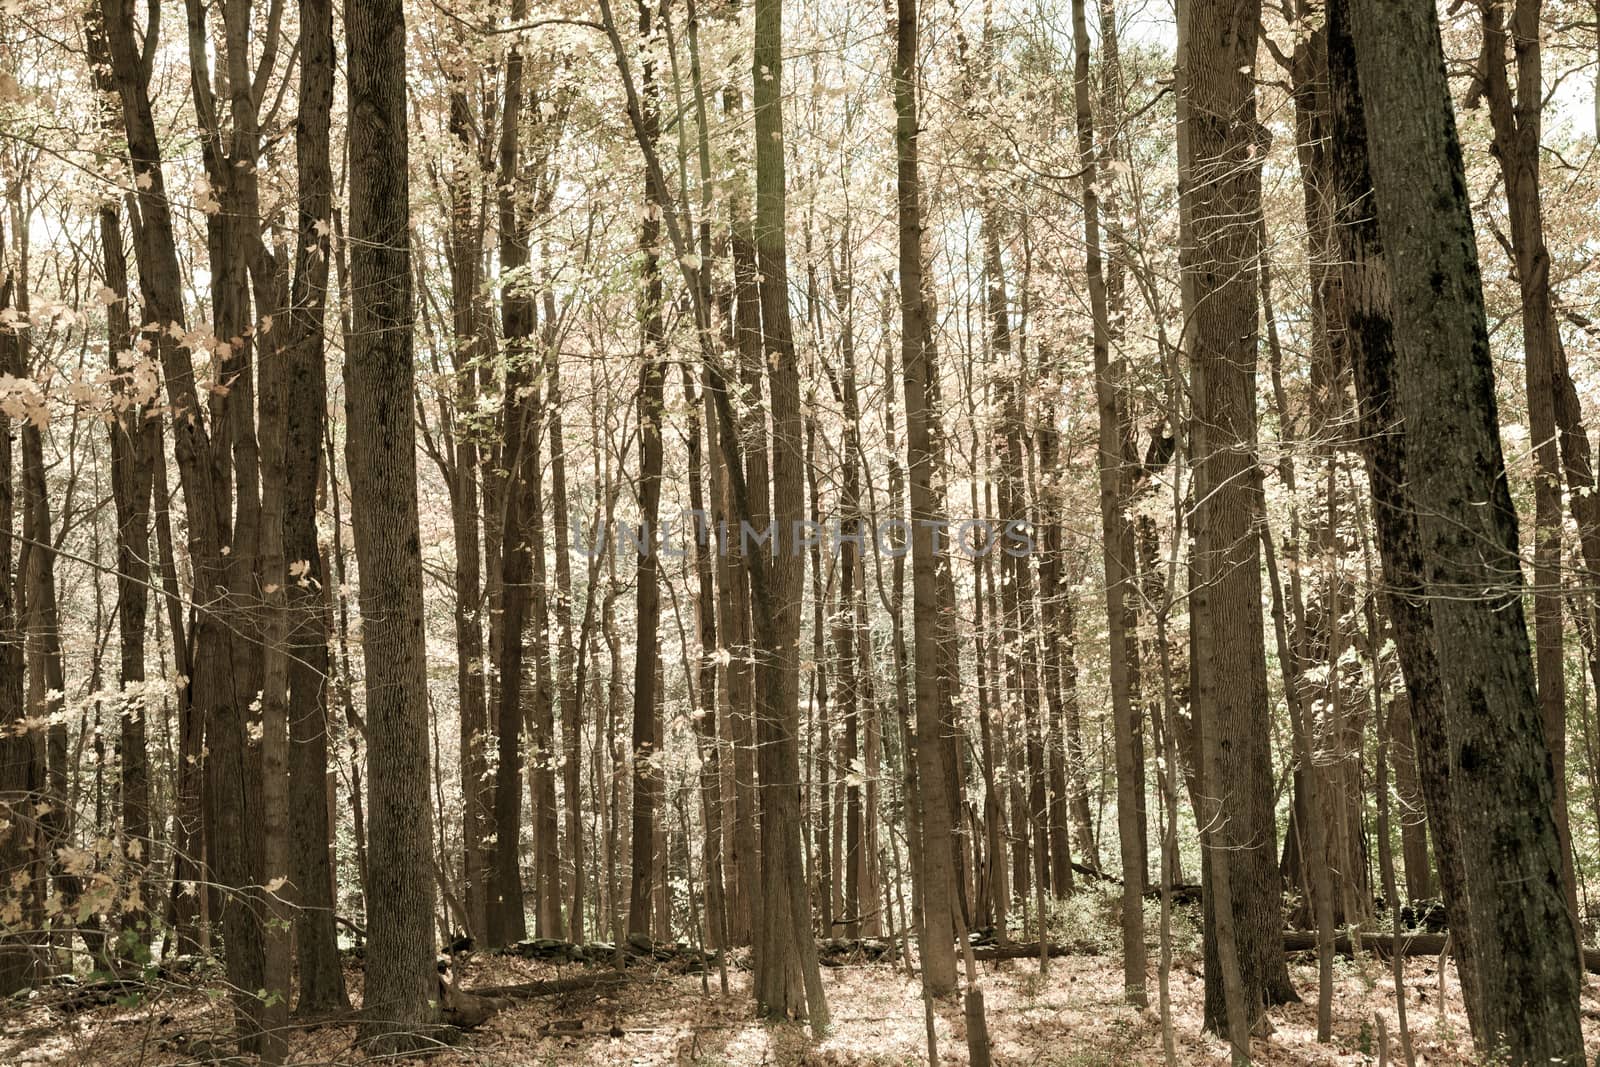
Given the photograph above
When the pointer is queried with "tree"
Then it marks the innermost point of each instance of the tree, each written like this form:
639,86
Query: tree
787,980
1221,202
937,861
381,453
316,942
1117,536
1467,530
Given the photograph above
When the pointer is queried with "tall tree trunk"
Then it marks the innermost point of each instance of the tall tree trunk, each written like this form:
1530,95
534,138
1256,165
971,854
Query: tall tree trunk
568,672
787,980
135,448
1117,537
648,774
1368,315
135,444
1527,959
506,921
1222,205
220,685
276,869
937,857
1516,118
401,983
316,939
22,960
467,223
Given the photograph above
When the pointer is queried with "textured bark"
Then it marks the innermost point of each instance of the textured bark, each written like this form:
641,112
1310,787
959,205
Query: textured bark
242,275
1368,314
937,856
1117,539
568,673
273,612
860,895
1467,531
787,980
22,961
546,820
1516,118
744,693
705,674
220,683
1222,205
381,450
506,922
321,977
470,323
1318,589
647,774
135,449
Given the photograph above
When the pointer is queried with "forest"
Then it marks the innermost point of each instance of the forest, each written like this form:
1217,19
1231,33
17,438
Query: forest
560,531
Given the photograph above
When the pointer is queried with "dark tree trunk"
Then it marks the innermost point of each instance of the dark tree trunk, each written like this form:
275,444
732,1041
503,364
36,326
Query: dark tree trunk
1368,315
1222,205
22,960
1120,558
1467,531
220,678
937,855
647,774
506,920
469,320
1516,118
316,941
400,978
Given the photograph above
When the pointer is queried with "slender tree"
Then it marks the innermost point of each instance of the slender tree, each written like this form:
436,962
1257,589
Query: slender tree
400,986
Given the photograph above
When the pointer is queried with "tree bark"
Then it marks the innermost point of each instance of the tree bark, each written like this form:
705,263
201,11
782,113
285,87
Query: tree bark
787,980
1222,205
937,856
1527,959
381,446
316,939
1117,538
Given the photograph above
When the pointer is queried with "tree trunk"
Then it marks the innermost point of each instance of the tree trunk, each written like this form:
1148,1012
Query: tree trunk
1117,537
1516,120
22,960
647,772
1222,203
400,978
937,856
467,223
1527,959
316,939
1369,328
787,980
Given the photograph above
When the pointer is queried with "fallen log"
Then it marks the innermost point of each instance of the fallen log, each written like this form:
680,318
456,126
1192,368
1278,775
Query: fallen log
548,987
1182,892
1030,951
1383,945
636,949
468,1009
840,951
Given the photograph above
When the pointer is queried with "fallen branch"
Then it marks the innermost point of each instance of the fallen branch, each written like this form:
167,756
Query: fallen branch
1383,945
1030,951
548,988
1182,892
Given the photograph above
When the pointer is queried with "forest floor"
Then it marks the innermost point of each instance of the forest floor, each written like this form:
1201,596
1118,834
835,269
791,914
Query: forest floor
1072,1018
